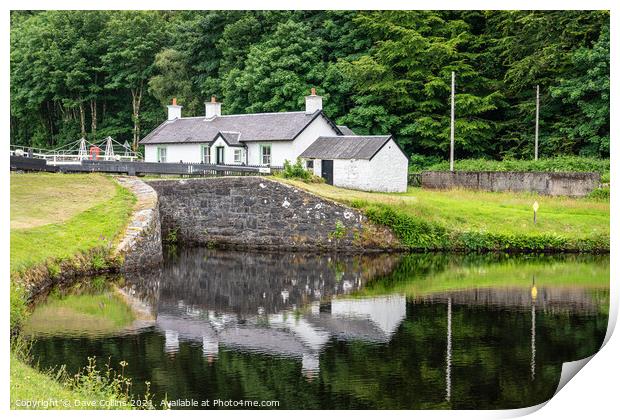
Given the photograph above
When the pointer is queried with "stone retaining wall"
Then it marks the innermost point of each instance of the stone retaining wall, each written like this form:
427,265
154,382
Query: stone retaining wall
257,213
577,184
141,245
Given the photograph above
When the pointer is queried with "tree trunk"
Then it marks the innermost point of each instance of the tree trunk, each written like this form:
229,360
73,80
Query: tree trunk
136,98
82,119
93,119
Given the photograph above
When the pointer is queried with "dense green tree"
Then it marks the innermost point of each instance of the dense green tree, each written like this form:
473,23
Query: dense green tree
277,73
174,81
99,73
403,85
132,39
587,89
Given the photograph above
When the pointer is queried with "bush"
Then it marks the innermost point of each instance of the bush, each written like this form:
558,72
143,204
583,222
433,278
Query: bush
419,163
556,164
600,194
295,171
19,308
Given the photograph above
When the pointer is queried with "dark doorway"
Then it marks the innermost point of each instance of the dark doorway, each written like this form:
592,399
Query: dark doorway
327,171
219,155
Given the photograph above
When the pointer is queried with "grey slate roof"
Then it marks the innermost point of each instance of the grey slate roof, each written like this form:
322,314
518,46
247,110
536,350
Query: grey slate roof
251,127
231,137
345,147
346,131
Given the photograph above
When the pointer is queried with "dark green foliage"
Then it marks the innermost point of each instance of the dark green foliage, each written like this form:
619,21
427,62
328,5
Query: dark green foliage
99,73
600,194
295,170
557,164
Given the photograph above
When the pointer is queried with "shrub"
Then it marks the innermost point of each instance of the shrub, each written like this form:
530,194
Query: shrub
600,194
555,164
18,306
295,171
99,262
418,163
339,231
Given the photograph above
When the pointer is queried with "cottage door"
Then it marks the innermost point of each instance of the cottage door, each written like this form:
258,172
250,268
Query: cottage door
219,155
327,171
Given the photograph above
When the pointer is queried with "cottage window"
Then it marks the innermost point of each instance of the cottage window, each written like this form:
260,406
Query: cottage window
161,154
238,155
310,164
206,154
265,152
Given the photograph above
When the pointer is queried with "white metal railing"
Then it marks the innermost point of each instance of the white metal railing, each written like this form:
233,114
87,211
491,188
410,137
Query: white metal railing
54,157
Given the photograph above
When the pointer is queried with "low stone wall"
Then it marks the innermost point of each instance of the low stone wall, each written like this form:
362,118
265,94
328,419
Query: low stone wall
141,246
576,184
257,213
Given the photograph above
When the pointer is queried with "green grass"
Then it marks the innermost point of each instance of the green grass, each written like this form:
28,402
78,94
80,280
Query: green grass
41,198
54,218
96,227
480,220
31,385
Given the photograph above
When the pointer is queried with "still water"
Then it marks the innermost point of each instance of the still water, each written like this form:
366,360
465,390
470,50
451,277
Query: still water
379,331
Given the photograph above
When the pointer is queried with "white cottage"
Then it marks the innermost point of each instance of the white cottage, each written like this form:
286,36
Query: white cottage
268,139
369,163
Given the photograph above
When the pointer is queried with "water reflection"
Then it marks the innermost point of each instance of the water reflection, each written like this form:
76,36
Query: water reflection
380,331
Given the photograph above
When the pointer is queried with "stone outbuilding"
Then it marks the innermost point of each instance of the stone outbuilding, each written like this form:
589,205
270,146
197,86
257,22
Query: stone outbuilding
368,163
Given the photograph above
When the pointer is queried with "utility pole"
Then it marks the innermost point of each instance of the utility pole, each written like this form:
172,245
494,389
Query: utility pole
452,127
536,129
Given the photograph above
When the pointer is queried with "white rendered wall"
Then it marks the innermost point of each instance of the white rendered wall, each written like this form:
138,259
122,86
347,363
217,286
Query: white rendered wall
352,173
319,127
386,172
389,168
188,153
316,168
150,153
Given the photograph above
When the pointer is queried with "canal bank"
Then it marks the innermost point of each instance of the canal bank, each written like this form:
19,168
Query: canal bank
460,220
65,227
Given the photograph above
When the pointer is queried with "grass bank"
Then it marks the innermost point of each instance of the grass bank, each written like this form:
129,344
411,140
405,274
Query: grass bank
62,221
466,220
56,216
33,389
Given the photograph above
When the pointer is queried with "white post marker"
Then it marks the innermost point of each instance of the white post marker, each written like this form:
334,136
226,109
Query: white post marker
535,207
452,126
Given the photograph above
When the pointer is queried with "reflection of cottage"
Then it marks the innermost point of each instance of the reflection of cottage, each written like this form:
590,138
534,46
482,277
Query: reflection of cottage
284,334
373,163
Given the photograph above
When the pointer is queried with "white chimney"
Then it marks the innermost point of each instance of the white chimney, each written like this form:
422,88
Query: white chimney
213,109
313,102
174,110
